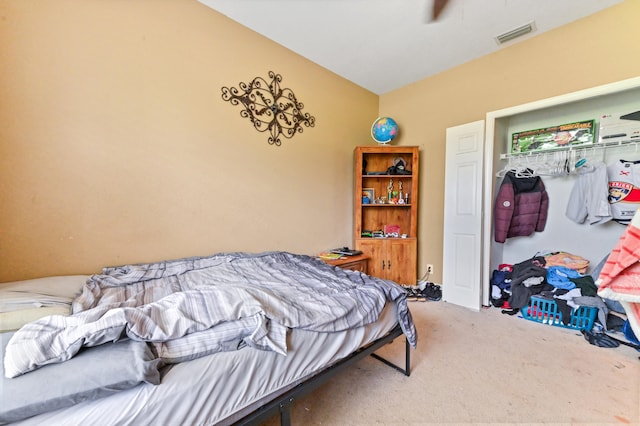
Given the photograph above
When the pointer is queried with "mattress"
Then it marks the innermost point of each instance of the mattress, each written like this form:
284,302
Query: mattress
224,387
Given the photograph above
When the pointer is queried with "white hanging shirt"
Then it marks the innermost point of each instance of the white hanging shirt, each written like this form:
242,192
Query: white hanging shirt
624,189
589,198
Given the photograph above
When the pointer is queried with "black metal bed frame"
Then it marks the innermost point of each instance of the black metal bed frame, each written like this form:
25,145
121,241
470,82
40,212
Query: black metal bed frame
282,404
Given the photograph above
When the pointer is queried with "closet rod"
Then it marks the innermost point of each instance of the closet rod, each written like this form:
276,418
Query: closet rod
598,145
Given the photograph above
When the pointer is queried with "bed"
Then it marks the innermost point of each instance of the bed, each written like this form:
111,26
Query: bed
232,338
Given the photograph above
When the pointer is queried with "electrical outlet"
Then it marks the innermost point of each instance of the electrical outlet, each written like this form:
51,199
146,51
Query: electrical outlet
429,269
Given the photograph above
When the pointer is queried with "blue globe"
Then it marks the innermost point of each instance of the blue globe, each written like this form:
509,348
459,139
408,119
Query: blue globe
384,130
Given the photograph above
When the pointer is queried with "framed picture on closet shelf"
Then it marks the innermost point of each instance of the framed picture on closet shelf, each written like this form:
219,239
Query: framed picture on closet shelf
553,137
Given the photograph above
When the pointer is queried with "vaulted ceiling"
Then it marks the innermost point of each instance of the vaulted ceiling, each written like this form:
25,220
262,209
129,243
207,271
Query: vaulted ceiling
383,45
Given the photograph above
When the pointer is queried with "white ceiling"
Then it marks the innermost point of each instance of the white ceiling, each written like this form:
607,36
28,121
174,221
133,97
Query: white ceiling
382,45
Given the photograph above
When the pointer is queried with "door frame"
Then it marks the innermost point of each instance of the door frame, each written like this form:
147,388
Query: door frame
495,131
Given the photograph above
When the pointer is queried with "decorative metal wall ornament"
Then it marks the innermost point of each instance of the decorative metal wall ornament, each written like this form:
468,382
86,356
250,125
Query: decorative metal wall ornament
270,107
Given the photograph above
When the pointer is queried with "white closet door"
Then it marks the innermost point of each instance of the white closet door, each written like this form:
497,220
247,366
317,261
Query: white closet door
462,256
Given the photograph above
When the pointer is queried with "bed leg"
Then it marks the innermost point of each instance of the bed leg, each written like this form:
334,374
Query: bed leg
407,348
285,412
407,359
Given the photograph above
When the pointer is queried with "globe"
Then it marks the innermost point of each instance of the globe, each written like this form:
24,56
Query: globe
384,130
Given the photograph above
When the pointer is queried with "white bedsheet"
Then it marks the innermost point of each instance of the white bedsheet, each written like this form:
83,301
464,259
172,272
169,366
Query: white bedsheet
223,387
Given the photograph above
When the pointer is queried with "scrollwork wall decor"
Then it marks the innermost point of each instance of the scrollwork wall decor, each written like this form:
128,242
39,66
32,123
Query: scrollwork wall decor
269,107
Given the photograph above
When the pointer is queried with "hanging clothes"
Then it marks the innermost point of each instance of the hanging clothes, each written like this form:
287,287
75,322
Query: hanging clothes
624,189
589,198
521,206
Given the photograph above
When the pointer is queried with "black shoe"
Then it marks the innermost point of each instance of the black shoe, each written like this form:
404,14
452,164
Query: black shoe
600,339
414,294
432,292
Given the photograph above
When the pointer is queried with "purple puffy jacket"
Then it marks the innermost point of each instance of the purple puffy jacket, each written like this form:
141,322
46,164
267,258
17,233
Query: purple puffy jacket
521,207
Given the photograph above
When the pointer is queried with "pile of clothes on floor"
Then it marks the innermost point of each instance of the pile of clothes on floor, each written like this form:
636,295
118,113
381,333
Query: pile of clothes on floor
558,275
561,277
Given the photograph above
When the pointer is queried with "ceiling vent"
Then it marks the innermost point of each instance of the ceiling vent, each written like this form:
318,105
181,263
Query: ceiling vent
516,32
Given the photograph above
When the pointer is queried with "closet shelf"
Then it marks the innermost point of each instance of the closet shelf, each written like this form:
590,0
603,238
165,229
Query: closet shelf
580,148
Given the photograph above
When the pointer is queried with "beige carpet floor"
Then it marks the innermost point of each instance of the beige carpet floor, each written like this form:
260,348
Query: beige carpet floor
482,368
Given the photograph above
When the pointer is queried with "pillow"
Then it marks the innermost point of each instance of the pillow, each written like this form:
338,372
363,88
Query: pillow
93,373
65,286
25,301
13,320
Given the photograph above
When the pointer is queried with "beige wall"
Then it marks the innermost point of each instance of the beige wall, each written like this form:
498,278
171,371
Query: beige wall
116,147
593,51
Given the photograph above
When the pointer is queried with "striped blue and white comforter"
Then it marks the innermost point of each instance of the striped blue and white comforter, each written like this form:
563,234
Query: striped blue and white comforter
206,303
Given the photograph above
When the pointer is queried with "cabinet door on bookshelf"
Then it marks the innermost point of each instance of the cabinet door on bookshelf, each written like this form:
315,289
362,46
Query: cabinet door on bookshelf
377,256
402,263
391,258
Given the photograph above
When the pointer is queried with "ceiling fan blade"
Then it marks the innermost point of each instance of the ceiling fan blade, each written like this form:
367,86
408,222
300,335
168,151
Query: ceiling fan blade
438,7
